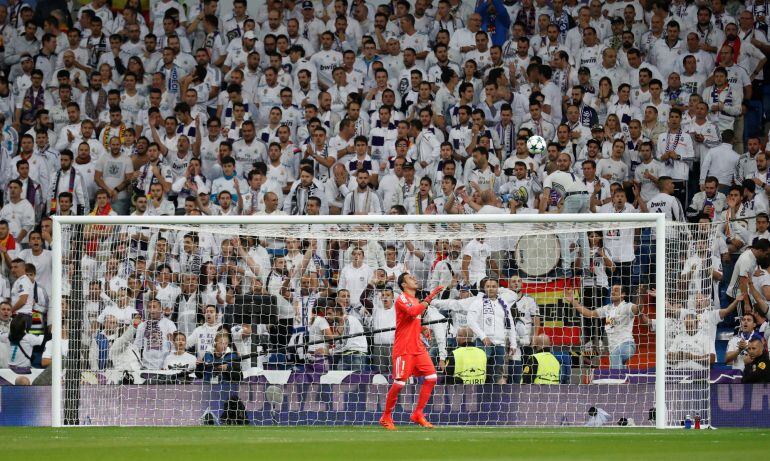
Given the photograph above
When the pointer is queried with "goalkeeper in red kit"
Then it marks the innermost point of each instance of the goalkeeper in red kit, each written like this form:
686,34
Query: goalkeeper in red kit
410,357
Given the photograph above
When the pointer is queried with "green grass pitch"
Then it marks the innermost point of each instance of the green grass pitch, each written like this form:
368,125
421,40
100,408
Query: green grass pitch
373,443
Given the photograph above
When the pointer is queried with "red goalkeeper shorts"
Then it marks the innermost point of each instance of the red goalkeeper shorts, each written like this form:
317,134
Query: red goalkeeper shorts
408,365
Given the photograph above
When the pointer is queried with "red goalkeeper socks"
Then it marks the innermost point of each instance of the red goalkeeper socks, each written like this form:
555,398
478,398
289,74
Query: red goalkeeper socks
425,390
390,403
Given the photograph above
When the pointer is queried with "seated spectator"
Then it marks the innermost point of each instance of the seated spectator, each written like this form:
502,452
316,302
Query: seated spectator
20,343
351,349
690,349
221,362
179,359
201,340
113,347
738,346
6,315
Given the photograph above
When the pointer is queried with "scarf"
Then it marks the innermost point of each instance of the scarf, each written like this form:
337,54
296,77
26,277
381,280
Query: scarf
307,306
299,203
528,19
153,336
489,308
32,104
107,134
505,133
93,245
672,146
353,200
736,46
8,243
97,50
716,95
31,191
103,344
173,80
92,111
101,212
418,203
70,187
562,22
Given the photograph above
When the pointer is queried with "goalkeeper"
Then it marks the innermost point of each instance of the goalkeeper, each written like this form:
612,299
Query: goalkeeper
410,357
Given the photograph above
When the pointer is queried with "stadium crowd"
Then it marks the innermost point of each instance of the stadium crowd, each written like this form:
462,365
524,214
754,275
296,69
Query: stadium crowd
361,107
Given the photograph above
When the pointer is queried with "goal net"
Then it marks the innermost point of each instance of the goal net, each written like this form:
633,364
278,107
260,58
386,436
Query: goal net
545,320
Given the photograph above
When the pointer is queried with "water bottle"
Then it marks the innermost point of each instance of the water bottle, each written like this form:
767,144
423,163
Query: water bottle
697,420
687,422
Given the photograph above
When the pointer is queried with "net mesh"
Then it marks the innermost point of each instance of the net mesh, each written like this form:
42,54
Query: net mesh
293,324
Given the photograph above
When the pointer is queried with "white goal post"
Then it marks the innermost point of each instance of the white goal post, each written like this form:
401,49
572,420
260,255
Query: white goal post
655,222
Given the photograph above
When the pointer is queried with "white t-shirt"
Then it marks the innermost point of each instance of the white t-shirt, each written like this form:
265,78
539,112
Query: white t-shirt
732,346
42,264
357,343
354,279
124,316
695,344
479,252
619,242
619,323
563,182
23,286
202,338
17,357
744,267
184,362
316,333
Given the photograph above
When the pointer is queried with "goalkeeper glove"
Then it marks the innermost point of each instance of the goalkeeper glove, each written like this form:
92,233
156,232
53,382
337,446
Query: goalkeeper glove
433,294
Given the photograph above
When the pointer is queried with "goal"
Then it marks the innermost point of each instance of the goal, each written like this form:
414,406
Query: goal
288,320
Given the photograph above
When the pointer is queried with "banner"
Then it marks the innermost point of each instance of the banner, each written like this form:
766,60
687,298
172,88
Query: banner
732,405
740,405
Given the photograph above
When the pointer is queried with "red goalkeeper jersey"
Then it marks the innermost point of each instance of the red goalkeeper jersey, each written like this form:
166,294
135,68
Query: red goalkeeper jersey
408,339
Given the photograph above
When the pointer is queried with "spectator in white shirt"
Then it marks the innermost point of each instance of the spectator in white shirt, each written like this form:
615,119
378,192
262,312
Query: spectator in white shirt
619,316
490,319
355,276
721,161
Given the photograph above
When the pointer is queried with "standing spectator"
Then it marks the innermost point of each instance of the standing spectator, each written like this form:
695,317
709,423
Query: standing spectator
490,319
738,346
114,173
355,276
18,213
153,337
619,316
562,191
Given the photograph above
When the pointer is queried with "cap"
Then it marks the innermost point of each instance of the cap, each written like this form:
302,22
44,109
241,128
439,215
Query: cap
597,127
25,57
409,165
390,36
203,190
307,5
250,35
